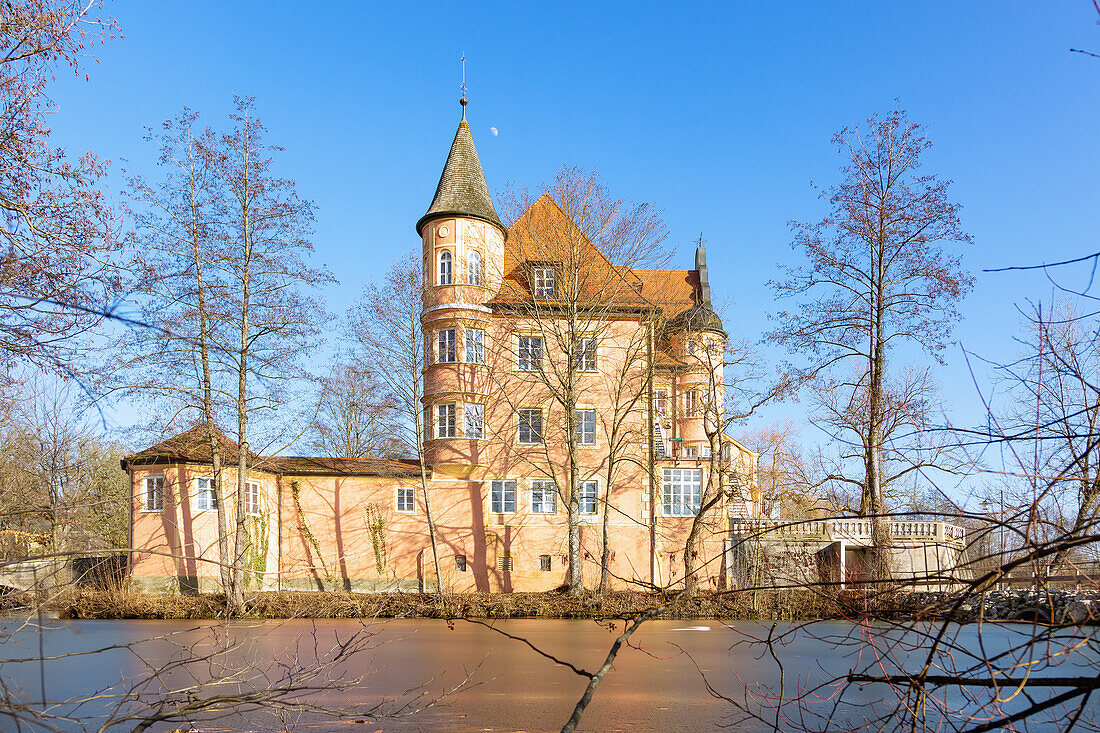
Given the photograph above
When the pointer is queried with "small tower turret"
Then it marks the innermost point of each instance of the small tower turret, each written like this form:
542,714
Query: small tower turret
463,249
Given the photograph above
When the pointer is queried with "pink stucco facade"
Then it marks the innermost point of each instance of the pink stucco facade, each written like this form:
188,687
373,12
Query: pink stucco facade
361,525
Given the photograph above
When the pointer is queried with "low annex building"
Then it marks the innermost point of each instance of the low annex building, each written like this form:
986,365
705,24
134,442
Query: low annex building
647,383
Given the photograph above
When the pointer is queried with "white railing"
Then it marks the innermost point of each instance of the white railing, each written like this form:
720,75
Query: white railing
851,530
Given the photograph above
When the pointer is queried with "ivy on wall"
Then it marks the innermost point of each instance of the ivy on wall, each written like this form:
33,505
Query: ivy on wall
303,527
376,526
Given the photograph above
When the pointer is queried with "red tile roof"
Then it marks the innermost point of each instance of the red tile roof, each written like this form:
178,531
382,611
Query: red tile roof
193,446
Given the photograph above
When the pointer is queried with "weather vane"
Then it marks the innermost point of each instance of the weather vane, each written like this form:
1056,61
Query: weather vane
463,100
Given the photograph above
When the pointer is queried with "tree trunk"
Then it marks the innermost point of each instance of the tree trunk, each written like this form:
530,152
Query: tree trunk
418,427
872,501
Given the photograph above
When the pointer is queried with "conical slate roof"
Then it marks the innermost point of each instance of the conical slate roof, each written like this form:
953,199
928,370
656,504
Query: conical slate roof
462,190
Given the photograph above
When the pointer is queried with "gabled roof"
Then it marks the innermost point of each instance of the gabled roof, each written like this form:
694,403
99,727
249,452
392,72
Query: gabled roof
462,190
193,446
534,238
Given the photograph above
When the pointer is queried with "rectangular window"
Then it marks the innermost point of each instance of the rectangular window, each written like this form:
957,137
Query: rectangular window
428,423
586,427
445,420
660,402
543,278
445,348
691,348
681,491
460,563
153,496
530,426
505,564
691,403
529,357
475,420
585,354
544,563
475,346
251,497
473,267
544,495
206,498
503,497
689,451
588,497
406,499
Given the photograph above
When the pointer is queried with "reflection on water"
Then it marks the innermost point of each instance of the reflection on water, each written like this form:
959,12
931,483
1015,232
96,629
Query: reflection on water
656,684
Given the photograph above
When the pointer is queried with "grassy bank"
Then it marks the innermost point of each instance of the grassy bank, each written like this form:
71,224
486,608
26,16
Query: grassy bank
124,604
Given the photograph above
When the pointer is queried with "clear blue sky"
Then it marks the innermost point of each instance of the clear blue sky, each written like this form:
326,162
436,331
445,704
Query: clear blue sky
721,114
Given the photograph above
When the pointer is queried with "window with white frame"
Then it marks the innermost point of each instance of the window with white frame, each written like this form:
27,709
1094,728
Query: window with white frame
445,346
530,426
691,348
206,499
586,427
446,275
585,354
544,495
691,403
475,420
503,497
445,424
473,267
690,451
588,497
529,354
251,497
406,500
681,491
543,279
153,495
475,346
428,420
660,402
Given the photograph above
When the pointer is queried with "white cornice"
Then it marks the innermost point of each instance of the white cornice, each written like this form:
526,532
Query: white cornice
456,306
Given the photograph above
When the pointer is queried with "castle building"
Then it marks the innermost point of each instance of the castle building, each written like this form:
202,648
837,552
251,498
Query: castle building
558,382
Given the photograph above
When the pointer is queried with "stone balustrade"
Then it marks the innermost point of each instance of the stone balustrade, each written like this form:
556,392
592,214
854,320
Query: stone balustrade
853,530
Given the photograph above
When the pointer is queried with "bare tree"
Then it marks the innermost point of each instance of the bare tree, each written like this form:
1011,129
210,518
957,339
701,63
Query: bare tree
878,276
180,272
276,324
571,280
58,272
1054,401
385,323
356,417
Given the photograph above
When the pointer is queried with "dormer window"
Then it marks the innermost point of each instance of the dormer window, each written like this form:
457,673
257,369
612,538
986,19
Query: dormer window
446,276
542,278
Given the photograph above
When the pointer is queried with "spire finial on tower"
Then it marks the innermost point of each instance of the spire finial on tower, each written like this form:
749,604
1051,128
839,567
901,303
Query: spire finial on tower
463,100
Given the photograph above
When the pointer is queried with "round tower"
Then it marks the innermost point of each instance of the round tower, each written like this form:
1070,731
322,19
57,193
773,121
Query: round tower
697,339
463,250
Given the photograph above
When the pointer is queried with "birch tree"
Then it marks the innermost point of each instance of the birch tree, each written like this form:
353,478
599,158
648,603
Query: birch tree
177,363
879,275
272,322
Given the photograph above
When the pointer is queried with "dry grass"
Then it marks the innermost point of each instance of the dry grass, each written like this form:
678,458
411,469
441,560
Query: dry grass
123,603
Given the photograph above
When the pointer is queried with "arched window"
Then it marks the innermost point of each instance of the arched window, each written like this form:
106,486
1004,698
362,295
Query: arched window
445,277
473,268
